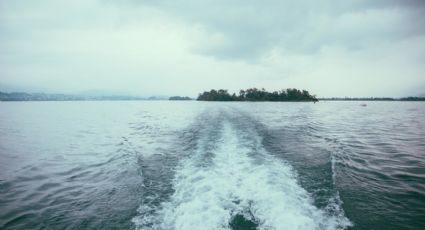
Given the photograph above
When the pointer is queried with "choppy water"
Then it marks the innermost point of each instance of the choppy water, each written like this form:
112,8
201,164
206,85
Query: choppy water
210,165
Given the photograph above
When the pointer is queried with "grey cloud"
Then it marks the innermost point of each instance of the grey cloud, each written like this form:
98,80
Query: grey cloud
252,28
331,47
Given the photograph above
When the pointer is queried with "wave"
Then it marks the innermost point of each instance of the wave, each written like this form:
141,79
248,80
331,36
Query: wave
233,182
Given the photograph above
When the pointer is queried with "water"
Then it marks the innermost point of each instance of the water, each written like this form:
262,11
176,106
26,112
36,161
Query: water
211,165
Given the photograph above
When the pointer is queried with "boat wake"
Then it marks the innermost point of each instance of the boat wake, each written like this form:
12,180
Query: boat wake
230,181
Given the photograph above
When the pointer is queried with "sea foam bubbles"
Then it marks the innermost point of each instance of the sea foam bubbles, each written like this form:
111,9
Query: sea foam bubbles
236,188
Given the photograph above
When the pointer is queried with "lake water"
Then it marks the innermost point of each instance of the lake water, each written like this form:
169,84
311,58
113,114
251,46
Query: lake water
211,165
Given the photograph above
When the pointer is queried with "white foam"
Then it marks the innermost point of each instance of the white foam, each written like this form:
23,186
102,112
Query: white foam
207,197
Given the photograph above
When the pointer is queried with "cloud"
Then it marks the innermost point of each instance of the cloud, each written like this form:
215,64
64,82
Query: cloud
333,48
248,29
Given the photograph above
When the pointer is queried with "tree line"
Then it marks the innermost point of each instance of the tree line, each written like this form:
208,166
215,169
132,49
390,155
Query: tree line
254,94
179,98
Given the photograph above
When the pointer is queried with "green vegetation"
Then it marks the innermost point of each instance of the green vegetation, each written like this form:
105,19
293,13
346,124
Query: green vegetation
254,94
412,99
179,98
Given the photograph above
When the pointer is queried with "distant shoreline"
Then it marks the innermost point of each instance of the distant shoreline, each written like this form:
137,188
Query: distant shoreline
18,96
374,99
88,100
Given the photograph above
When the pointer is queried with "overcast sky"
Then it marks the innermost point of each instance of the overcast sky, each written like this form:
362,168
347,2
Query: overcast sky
183,47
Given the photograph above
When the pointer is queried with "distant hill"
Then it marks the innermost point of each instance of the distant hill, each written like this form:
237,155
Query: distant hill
157,98
19,96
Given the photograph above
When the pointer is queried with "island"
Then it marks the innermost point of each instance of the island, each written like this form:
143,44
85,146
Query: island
179,98
254,94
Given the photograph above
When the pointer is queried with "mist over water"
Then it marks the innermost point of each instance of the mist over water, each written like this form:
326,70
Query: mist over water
197,165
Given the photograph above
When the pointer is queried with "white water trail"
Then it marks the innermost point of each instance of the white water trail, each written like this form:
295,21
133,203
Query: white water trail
235,183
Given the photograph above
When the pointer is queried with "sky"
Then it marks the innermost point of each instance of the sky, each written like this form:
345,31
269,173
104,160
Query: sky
355,48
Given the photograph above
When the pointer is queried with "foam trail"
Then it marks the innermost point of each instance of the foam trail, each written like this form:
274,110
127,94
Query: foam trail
235,183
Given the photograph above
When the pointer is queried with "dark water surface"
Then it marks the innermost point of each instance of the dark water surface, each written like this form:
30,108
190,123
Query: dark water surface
200,165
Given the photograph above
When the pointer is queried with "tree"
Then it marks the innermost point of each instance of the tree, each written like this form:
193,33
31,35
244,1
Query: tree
254,94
